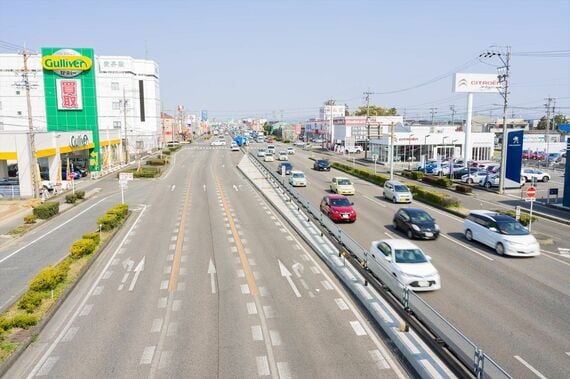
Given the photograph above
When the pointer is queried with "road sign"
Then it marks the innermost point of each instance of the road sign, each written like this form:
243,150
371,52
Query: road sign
517,212
531,192
564,127
125,176
70,176
553,191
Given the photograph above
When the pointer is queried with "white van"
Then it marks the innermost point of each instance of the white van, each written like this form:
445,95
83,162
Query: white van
397,192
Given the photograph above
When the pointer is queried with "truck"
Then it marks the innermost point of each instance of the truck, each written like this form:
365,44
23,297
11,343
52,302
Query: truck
240,140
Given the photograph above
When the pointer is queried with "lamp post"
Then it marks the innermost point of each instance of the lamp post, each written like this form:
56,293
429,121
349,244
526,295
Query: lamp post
410,151
427,149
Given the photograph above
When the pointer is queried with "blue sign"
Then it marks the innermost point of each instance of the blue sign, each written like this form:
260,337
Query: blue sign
514,159
204,115
564,127
566,198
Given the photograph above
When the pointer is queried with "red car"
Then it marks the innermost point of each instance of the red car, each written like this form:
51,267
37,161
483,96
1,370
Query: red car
338,208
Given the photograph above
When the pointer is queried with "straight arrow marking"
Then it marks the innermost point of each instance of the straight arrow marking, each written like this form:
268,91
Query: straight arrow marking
287,275
138,270
212,273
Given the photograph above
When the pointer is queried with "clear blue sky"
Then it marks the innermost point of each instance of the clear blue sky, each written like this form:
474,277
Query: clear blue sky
253,58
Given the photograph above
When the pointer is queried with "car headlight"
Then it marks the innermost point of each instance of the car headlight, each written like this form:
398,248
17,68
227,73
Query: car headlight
436,226
415,227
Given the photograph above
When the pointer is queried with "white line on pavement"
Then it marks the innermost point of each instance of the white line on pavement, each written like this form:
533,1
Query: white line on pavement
555,259
466,247
358,329
262,366
147,355
534,371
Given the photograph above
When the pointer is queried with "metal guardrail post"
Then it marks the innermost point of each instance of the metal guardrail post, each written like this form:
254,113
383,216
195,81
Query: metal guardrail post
478,362
406,298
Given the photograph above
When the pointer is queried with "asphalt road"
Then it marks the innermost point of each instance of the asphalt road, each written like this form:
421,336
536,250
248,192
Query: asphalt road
193,287
516,310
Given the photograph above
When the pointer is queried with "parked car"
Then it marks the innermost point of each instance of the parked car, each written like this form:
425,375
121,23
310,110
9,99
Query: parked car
416,223
338,208
538,155
298,179
9,181
299,143
268,158
321,165
353,149
260,152
397,192
291,150
405,261
532,173
458,174
500,232
475,177
282,156
492,180
342,186
288,167
526,154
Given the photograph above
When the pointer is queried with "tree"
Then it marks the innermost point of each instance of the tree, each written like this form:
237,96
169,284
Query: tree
266,127
346,111
558,119
376,111
330,102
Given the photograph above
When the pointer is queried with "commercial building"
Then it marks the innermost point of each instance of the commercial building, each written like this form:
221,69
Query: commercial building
91,110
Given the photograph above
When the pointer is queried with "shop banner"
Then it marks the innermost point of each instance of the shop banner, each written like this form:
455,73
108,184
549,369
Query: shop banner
566,198
514,158
69,94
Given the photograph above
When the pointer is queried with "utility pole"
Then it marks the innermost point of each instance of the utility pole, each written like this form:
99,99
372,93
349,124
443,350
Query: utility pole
126,130
546,134
367,94
391,160
504,79
31,134
452,108
433,112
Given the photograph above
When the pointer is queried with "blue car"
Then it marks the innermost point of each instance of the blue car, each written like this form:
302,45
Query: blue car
288,168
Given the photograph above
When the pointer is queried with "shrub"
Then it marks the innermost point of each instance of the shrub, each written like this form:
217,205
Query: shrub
108,221
71,198
92,236
46,210
440,181
82,247
523,219
407,173
30,219
463,189
80,194
156,162
47,279
5,323
418,175
166,152
119,210
24,321
31,301
433,197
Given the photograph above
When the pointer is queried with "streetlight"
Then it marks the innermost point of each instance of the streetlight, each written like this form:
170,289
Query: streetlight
427,149
410,151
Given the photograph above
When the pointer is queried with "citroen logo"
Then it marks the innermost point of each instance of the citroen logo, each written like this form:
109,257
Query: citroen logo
462,83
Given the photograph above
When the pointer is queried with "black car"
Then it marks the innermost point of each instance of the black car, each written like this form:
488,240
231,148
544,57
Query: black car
288,168
416,223
322,165
457,174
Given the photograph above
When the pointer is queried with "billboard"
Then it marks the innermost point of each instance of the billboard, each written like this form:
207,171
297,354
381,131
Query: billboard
70,94
488,83
514,159
566,198
204,116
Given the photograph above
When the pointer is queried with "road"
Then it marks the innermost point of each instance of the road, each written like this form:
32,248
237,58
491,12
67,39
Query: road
516,310
206,280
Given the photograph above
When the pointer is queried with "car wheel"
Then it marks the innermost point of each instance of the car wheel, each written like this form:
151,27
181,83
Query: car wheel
410,234
545,179
488,185
394,200
470,181
469,235
526,179
500,249
395,224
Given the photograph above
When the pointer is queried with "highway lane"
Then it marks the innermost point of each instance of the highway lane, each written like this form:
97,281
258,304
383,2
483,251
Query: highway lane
510,307
158,309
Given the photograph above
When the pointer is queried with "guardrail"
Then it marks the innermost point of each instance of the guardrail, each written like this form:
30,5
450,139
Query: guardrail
467,352
10,192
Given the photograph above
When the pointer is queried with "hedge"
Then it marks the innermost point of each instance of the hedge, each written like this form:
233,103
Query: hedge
442,181
71,198
463,189
166,152
30,219
108,221
418,175
95,236
362,173
23,321
523,219
147,172
80,194
82,247
433,197
47,279
156,162
31,300
46,210
121,210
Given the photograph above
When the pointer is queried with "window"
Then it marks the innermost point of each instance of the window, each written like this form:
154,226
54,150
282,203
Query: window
117,124
1,125
17,92
0,105
384,248
116,105
19,113
114,86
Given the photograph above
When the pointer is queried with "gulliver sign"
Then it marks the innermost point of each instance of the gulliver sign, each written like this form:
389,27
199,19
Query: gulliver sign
67,63
77,141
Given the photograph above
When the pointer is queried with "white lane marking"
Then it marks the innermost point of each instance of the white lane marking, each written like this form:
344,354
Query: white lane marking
147,355
97,291
556,259
165,359
172,188
183,271
125,277
47,366
240,273
251,309
234,249
71,332
358,329
176,305
138,270
244,289
115,262
173,238
525,363
212,273
341,304
275,337
256,333
287,275
263,291
389,235
235,188
172,246
231,239
162,302
304,284
305,257
107,275
86,310
296,247
326,284
568,353
172,329
156,325
315,270
252,262
204,188
466,247
257,275
379,359
269,311
262,366
164,284
53,230
374,201
284,371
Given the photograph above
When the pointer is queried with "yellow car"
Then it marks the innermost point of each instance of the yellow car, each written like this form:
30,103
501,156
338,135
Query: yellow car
342,186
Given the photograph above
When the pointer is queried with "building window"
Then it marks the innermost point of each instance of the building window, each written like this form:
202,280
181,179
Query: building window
19,113
17,92
116,105
117,124
114,86
1,125
0,105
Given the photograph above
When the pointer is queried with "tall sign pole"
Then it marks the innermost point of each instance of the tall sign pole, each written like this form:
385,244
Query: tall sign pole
126,130
392,132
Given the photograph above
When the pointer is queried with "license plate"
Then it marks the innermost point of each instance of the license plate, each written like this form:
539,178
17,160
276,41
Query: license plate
429,234
344,216
423,283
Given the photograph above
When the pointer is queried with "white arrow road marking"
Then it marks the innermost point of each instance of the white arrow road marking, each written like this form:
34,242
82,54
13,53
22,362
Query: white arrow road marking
138,270
235,188
298,269
128,264
287,275
212,273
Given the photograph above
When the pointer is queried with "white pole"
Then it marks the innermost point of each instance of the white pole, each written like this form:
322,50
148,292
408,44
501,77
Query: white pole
467,150
392,151
530,218
122,195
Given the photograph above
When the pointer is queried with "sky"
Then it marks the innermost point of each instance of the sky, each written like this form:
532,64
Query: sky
255,58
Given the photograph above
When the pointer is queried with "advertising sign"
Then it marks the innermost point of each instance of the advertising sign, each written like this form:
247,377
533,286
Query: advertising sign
566,198
204,116
488,83
69,94
514,159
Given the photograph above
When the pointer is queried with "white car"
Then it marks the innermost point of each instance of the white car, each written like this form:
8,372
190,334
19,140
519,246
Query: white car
397,192
353,149
261,152
342,186
298,179
299,143
532,173
290,151
235,147
500,232
268,158
405,261
475,177
283,156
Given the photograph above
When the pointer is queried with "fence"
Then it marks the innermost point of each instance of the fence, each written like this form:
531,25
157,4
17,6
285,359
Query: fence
10,192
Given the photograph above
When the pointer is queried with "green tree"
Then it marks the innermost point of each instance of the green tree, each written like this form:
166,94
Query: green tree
346,111
558,119
330,102
376,111
266,127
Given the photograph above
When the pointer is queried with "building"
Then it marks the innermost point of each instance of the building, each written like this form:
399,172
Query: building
92,110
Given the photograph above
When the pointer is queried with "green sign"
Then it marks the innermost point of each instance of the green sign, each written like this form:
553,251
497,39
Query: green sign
70,93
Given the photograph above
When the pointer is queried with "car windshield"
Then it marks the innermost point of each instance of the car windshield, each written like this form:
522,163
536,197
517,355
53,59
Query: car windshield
340,202
344,182
512,227
421,217
401,188
323,163
410,256
298,175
